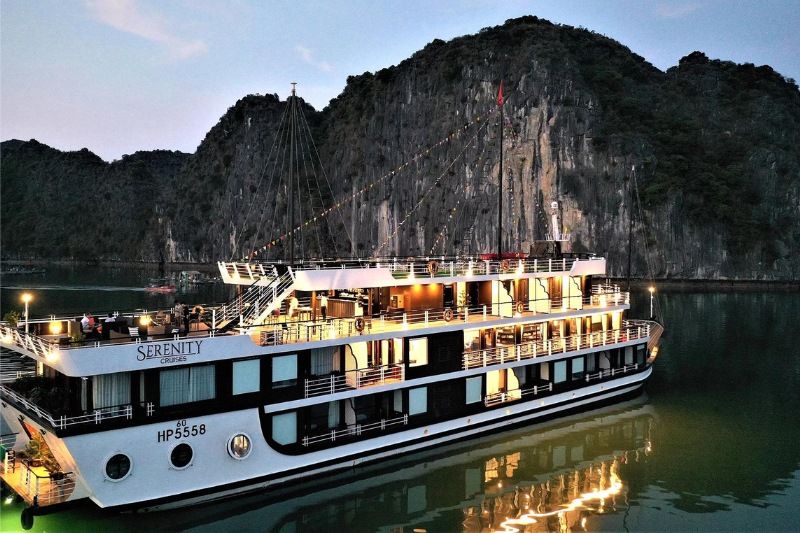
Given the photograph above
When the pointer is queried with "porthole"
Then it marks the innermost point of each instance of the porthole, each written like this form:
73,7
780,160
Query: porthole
240,446
118,467
181,456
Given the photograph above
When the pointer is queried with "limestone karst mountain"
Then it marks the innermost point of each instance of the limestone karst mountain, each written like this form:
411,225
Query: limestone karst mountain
715,145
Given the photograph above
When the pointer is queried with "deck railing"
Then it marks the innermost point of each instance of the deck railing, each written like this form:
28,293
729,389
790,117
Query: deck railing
356,430
430,266
36,489
354,379
64,421
611,372
539,348
515,394
274,332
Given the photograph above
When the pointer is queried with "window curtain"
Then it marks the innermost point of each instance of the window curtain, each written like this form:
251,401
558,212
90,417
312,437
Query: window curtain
183,385
202,385
324,361
111,390
174,385
333,415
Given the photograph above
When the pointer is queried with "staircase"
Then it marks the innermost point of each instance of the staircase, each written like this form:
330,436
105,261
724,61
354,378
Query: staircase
256,303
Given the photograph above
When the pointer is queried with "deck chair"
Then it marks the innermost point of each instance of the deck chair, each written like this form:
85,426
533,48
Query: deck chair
134,332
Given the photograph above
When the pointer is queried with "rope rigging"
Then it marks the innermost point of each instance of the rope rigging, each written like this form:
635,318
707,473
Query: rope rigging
337,205
427,192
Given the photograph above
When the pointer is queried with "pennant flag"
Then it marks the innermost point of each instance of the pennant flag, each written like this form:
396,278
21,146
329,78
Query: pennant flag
500,95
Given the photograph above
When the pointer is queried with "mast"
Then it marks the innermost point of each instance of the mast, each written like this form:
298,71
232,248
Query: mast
630,224
292,120
500,180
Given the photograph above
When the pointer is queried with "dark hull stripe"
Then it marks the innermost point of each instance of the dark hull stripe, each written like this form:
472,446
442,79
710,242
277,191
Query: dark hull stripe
346,461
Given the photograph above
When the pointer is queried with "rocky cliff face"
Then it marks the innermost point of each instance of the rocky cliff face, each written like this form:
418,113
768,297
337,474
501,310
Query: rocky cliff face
713,144
74,205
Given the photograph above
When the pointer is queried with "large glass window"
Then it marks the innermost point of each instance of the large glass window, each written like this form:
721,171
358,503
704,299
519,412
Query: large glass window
284,428
641,354
474,389
577,368
591,365
559,371
184,385
284,370
246,376
629,355
418,351
111,390
418,401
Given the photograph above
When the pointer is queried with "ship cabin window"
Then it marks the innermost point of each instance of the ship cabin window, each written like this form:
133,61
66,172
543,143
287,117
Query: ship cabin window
324,361
284,371
629,355
184,385
559,371
284,428
324,416
506,336
591,363
472,340
418,401
577,368
111,390
246,376
418,351
641,353
474,389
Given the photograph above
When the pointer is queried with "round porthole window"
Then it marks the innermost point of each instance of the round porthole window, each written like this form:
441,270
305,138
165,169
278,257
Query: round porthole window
118,467
240,446
181,455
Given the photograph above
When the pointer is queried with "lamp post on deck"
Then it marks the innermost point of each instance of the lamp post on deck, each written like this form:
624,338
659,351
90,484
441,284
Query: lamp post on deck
652,290
26,299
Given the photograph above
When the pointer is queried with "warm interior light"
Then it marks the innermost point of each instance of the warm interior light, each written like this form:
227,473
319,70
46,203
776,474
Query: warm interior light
26,297
55,327
144,320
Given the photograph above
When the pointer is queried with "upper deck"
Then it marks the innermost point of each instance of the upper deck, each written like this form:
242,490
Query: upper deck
388,272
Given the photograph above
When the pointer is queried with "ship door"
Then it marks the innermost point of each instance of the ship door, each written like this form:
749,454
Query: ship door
449,296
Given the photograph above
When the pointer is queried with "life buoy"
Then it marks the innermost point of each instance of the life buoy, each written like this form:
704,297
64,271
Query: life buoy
504,265
433,268
520,307
359,324
447,315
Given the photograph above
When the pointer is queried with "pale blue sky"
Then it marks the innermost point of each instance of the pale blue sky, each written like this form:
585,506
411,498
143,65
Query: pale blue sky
118,76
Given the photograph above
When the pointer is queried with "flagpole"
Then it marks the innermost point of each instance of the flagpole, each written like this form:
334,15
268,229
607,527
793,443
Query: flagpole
500,181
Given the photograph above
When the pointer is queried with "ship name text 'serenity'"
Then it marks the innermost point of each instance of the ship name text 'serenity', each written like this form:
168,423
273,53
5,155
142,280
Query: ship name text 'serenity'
169,352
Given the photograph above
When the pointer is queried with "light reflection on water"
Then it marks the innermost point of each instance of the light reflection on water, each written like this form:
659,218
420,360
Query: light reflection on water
712,446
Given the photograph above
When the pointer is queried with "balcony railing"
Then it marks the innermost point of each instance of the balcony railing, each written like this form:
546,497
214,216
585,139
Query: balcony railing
515,394
274,332
417,267
356,430
532,349
64,421
35,487
355,379
512,395
612,372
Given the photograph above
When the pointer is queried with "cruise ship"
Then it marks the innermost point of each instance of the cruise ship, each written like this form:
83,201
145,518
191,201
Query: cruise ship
314,368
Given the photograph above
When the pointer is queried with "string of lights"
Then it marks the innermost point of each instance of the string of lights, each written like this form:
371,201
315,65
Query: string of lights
481,119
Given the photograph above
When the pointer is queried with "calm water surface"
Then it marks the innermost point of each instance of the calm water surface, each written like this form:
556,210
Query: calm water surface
714,444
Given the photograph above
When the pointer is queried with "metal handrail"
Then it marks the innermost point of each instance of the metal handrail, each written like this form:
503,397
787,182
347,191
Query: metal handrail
543,347
64,421
354,379
355,430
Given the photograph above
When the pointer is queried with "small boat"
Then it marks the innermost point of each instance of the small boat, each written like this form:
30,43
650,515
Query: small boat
160,286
